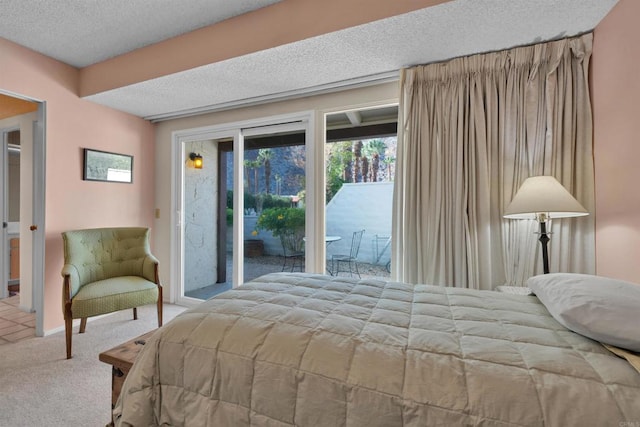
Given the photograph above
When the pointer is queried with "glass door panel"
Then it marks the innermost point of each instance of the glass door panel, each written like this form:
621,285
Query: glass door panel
242,213
359,162
202,275
274,210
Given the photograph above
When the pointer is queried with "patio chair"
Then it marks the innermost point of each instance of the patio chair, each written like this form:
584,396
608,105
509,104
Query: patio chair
293,248
350,259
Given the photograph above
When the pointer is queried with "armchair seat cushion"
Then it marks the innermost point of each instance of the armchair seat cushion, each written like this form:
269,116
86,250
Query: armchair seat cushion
109,295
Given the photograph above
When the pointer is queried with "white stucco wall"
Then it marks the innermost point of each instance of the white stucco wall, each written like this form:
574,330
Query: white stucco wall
272,245
361,206
200,217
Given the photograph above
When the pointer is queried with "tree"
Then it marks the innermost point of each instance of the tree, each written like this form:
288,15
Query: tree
252,165
389,161
375,167
265,155
338,157
256,165
373,149
344,165
247,175
348,152
357,154
365,169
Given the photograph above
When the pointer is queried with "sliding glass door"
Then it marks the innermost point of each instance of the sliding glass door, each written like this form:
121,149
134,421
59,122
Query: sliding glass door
274,201
241,214
359,155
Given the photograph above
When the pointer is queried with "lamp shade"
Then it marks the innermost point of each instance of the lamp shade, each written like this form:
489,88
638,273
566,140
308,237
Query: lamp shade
543,195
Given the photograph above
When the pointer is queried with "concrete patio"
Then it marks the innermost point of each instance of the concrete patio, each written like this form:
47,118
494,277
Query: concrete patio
258,266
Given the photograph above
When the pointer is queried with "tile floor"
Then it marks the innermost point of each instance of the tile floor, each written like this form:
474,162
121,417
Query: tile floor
15,324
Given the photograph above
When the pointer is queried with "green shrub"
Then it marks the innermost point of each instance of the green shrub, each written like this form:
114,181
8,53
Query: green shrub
268,201
229,216
281,220
230,199
271,201
249,201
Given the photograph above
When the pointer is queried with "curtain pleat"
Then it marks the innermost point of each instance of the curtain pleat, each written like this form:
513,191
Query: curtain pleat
471,131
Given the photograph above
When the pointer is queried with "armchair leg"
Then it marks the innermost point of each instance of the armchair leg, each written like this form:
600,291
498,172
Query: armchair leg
68,323
135,313
83,324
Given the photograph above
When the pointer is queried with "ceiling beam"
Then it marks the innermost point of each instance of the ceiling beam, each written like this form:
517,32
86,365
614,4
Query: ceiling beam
333,135
354,117
281,23
363,132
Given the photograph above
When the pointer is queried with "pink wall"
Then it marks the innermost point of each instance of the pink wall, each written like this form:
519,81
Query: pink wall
615,78
72,124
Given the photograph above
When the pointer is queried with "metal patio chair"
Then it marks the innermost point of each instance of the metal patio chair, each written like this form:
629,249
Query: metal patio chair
293,248
351,259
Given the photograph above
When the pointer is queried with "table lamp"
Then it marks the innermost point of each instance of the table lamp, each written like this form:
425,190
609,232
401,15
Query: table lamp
542,198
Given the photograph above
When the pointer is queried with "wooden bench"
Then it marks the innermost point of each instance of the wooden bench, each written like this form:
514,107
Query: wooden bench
121,359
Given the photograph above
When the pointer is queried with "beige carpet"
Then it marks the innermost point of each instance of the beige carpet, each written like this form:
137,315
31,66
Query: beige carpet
40,387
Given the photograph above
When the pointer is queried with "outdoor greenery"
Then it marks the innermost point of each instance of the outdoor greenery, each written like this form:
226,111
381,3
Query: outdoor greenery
263,160
252,201
282,220
369,160
358,161
229,216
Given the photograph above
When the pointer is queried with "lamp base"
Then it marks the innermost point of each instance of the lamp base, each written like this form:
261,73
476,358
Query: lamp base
544,239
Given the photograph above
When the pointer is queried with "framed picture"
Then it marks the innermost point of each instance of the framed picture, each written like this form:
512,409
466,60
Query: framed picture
105,166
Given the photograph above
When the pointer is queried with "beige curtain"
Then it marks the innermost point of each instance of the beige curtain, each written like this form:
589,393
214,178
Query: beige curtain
471,131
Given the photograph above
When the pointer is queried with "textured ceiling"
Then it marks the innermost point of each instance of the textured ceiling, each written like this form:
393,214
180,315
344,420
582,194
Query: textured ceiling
83,32
364,54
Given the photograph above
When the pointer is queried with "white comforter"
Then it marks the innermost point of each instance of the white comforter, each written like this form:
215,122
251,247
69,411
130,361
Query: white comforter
311,350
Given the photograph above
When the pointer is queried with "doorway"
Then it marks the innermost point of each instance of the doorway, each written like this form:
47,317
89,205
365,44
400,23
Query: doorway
22,164
11,144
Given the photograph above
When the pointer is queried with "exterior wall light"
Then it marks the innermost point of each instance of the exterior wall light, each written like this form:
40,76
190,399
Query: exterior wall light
196,160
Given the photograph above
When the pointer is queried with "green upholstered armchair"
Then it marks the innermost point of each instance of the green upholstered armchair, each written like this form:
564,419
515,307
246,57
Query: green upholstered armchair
106,270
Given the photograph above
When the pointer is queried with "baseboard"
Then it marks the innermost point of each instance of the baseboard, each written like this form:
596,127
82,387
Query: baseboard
26,309
76,322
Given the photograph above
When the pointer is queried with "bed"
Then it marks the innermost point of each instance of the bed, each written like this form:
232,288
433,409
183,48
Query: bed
296,349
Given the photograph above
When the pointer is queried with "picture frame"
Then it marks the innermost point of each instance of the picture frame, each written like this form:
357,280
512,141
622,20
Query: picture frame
107,167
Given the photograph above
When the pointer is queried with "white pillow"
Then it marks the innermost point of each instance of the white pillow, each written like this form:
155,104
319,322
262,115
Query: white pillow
603,309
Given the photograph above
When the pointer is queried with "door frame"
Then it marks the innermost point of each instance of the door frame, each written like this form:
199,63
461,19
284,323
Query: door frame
236,131
4,189
36,227
38,214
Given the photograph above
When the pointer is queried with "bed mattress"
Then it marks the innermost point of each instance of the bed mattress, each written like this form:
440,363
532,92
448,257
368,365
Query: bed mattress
296,349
